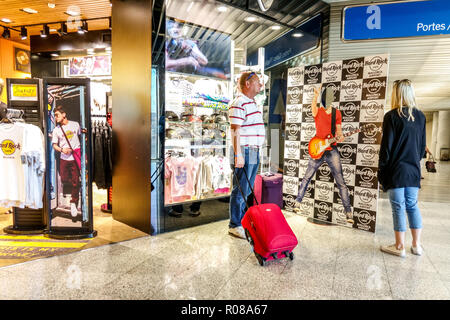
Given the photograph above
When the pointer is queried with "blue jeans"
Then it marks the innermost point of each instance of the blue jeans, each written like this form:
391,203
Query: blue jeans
332,158
405,199
237,202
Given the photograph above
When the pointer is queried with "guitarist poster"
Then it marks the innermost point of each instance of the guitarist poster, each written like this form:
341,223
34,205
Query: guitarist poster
342,106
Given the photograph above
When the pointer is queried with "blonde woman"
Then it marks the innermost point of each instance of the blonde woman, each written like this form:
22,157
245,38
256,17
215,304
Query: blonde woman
402,148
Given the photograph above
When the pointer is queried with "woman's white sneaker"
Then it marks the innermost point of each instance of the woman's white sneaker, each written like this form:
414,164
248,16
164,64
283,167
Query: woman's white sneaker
418,251
392,249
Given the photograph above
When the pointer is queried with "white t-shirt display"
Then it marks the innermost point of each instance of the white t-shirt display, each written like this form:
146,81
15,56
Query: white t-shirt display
72,130
12,185
22,158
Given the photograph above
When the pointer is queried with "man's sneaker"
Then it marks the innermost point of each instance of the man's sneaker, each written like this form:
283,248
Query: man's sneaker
417,250
73,209
175,214
392,249
349,216
194,213
237,232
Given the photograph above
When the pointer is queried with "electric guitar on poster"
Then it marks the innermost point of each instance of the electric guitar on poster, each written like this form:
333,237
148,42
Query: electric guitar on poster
317,146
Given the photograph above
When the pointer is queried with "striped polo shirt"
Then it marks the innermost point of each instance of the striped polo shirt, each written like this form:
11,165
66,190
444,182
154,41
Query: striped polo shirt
245,113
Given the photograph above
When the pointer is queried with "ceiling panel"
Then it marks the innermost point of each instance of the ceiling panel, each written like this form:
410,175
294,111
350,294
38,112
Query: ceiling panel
87,9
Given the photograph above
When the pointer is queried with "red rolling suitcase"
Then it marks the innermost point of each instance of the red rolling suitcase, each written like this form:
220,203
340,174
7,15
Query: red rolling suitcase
267,231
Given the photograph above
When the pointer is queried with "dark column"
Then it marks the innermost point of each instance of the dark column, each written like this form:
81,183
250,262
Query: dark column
131,75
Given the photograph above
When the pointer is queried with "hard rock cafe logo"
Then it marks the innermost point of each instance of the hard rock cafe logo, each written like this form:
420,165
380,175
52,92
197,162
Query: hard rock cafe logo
366,174
322,207
310,92
373,107
347,151
368,152
293,129
365,195
374,86
309,113
348,127
295,111
347,172
310,129
291,184
324,189
332,69
339,210
296,74
313,72
353,66
8,147
351,87
376,63
371,130
349,109
306,205
289,200
325,171
294,93
364,217
292,147
291,165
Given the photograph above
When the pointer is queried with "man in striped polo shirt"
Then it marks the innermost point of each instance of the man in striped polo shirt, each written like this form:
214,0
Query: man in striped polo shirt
248,134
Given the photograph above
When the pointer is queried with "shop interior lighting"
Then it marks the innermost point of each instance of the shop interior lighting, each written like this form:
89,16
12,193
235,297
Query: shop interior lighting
250,19
51,5
222,9
297,35
275,27
29,10
6,20
72,13
190,6
54,54
45,31
23,33
6,33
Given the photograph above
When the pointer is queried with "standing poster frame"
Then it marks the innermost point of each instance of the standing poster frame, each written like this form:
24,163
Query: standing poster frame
86,230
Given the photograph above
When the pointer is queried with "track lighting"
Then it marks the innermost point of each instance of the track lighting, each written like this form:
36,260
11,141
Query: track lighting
23,33
6,33
45,31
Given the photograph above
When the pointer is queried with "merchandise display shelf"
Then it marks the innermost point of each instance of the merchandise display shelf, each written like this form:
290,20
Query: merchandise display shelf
225,195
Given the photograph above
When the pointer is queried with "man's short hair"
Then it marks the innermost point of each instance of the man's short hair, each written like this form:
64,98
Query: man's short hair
244,78
59,109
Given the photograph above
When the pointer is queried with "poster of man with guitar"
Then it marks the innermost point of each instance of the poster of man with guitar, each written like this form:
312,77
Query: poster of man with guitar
323,147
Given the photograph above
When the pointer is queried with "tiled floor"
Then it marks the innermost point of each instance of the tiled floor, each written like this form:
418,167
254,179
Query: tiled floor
205,263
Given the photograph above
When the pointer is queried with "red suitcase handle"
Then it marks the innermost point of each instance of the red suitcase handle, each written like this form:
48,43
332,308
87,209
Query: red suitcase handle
249,184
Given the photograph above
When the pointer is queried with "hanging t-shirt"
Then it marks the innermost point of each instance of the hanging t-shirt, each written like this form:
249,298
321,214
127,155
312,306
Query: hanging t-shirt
12,186
182,173
221,175
72,130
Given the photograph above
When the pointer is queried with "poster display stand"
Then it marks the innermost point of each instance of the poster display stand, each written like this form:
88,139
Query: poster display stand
358,89
69,164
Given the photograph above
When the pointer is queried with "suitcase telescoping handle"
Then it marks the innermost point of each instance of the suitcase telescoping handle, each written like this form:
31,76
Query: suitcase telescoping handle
240,189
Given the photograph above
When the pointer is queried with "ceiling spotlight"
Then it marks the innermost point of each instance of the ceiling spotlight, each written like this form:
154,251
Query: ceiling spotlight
222,9
297,35
250,19
29,10
83,28
6,33
23,33
72,13
275,27
63,30
6,20
45,31
51,5
54,54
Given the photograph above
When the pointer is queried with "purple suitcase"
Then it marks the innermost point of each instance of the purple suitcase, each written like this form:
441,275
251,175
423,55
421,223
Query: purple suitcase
269,188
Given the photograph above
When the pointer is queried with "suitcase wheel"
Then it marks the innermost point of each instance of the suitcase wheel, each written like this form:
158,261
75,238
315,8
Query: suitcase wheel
260,259
291,256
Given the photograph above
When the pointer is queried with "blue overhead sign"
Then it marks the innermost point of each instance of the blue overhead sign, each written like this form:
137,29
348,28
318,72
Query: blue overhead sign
396,20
